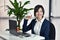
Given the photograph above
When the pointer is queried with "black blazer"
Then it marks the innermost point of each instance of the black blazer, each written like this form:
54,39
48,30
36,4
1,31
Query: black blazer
47,29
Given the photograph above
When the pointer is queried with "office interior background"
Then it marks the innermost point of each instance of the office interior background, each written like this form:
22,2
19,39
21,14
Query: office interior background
52,13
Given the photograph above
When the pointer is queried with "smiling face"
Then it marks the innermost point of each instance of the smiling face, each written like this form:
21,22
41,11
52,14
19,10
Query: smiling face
39,13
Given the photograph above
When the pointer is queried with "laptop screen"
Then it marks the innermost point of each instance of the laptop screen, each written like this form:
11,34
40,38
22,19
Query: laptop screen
12,25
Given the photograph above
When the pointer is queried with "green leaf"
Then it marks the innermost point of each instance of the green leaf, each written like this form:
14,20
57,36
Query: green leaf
30,9
9,7
15,1
12,3
9,12
20,3
27,2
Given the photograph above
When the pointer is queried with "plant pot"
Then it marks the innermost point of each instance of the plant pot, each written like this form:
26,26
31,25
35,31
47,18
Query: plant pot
18,29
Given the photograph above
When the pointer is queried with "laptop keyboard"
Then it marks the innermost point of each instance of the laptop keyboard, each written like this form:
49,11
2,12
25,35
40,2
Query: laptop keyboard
19,33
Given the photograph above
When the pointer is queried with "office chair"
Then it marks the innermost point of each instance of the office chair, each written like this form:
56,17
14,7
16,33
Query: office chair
52,32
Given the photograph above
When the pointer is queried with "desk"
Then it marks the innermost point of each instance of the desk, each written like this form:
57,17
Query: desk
8,36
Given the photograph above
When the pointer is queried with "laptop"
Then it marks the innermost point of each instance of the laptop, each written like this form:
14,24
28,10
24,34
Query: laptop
12,29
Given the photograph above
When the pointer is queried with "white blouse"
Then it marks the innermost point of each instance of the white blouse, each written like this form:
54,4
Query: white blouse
37,26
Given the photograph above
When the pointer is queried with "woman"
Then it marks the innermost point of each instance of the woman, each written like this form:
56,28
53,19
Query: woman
40,25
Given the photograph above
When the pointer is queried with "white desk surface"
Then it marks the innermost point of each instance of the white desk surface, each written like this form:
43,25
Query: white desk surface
8,36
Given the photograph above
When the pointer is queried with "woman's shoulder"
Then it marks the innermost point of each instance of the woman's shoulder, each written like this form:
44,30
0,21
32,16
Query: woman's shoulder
47,21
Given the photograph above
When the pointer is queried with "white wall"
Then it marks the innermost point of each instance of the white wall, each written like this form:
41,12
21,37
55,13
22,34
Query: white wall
56,13
56,8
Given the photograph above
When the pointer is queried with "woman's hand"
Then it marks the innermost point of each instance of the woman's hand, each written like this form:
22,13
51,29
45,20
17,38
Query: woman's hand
28,17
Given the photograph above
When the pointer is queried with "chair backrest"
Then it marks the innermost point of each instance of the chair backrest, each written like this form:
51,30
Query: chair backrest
52,32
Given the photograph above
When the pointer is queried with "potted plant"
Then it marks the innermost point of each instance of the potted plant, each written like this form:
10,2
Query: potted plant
19,11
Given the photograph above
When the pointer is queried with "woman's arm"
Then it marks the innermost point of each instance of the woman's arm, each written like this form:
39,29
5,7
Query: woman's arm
25,27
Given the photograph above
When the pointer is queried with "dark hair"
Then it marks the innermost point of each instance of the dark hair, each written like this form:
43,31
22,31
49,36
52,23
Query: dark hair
37,8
